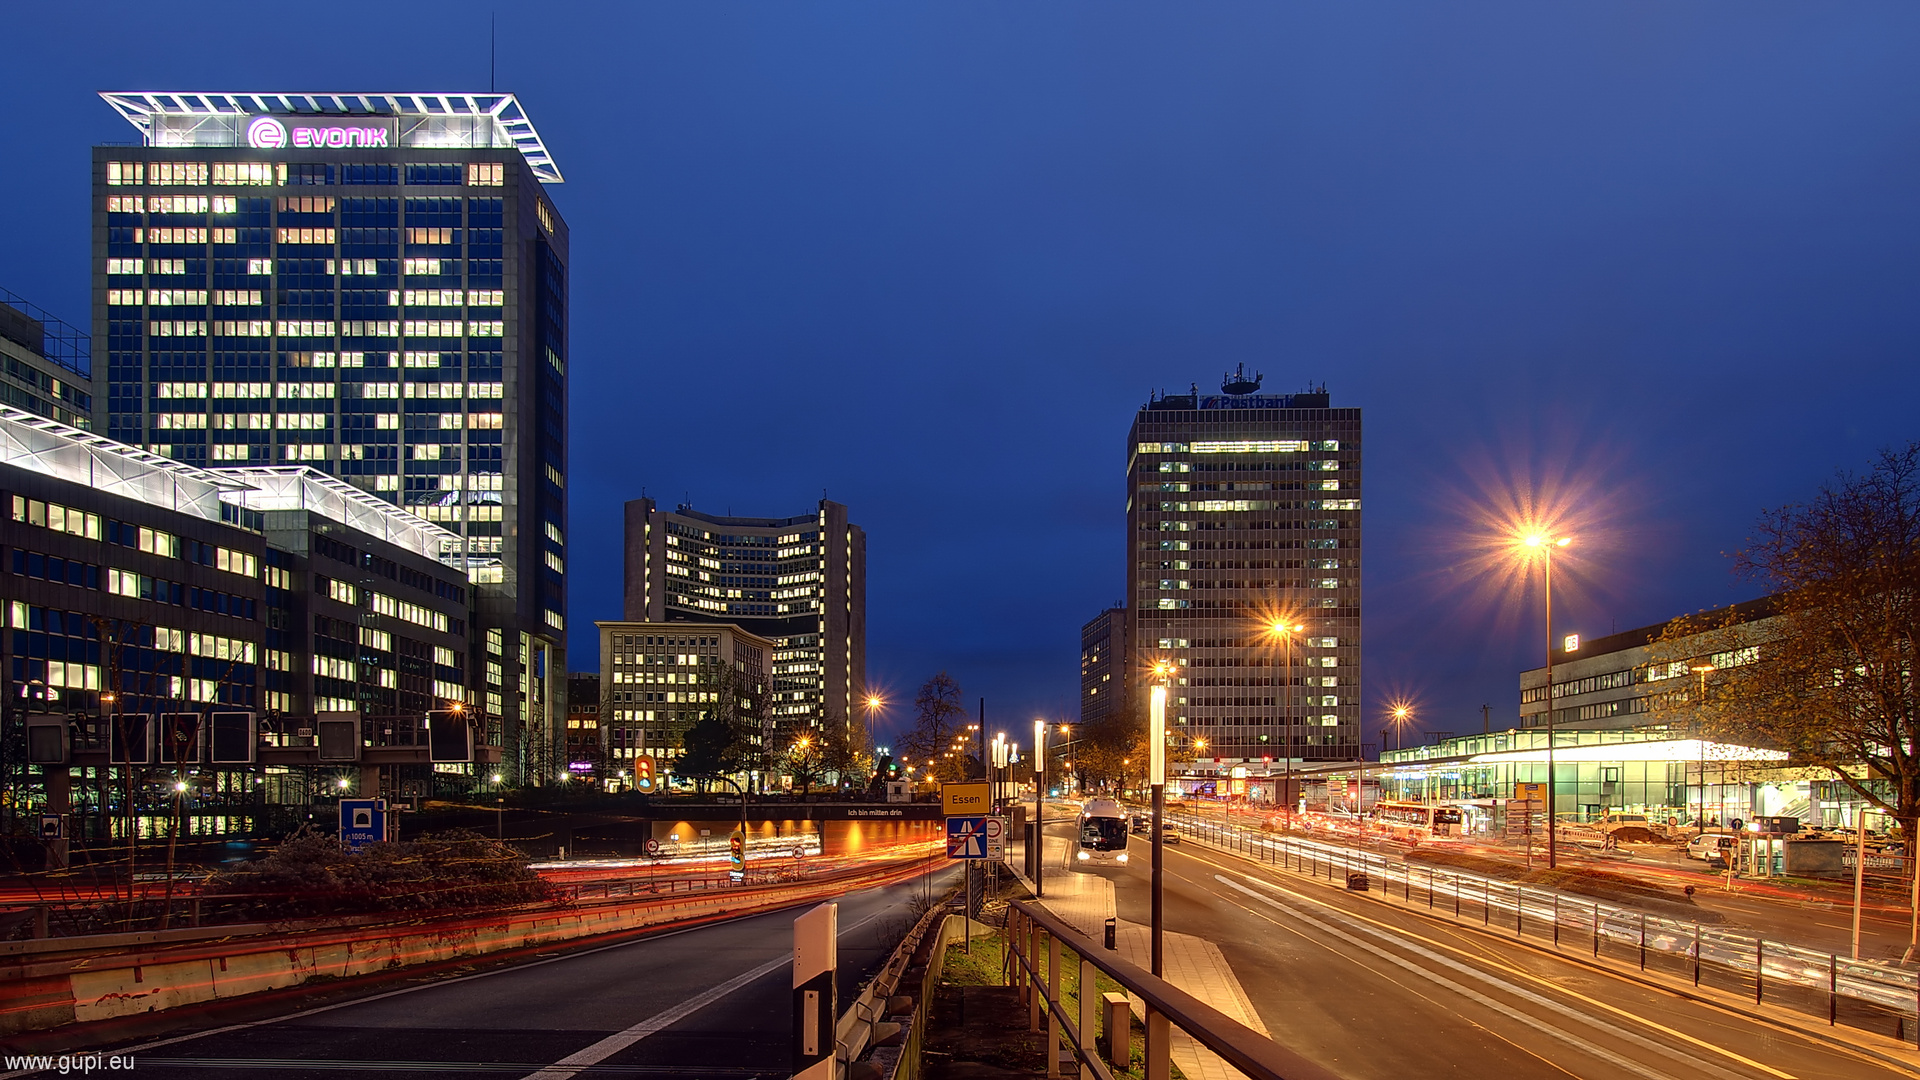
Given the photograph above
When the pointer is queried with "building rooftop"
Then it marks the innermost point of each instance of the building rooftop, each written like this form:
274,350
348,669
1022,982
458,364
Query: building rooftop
174,118
66,453
299,487
82,457
29,326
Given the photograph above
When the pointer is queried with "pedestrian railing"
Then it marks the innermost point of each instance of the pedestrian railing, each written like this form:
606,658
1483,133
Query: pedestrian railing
1868,994
1033,932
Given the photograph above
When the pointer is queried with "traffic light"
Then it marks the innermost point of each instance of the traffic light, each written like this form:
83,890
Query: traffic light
643,779
737,851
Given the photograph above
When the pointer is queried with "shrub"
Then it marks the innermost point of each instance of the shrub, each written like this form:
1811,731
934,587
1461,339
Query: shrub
311,874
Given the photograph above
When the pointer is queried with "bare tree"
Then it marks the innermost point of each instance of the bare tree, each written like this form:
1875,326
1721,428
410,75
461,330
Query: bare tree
1831,678
938,717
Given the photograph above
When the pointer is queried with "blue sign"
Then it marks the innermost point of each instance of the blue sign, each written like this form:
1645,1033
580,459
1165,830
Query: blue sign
966,838
362,822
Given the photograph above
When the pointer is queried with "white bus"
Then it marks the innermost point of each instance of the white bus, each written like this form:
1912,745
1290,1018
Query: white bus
1103,832
1416,822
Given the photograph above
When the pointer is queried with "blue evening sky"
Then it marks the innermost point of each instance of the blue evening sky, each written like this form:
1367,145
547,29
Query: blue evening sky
1656,260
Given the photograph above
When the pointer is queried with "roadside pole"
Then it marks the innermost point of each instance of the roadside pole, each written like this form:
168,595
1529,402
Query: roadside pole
815,996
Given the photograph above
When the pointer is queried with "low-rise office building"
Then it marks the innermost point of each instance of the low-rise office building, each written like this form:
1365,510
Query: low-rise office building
137,584
1624,740
658,679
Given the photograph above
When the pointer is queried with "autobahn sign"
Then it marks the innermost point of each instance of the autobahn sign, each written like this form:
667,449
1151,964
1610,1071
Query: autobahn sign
967,838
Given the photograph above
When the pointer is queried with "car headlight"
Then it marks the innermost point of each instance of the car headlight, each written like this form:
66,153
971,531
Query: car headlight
1084,856
1123,856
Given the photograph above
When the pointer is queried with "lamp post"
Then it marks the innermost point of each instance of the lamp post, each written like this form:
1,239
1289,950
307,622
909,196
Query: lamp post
1699,731
1157,782
1039,807
1546,545
1285,630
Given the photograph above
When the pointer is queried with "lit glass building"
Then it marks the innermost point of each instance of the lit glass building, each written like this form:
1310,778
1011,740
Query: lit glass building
1244,508
374,285
800,582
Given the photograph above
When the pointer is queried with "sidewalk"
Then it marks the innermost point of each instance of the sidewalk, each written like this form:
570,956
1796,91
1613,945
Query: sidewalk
1085,902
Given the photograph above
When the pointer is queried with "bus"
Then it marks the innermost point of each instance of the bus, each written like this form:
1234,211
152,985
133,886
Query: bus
1416,822
1103,832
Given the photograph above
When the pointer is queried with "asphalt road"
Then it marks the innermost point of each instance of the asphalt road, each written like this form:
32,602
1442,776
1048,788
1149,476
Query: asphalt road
1372,991
713,1001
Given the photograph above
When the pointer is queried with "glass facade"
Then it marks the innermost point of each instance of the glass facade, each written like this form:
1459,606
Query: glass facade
390,310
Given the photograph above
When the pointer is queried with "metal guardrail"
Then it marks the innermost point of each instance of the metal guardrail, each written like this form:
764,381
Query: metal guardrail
863,1024
1167,1006
1869,994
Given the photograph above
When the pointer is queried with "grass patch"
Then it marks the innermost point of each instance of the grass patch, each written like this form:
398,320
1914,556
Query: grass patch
986,964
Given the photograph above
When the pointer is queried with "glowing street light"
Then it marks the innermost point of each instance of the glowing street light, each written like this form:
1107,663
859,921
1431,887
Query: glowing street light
1545,543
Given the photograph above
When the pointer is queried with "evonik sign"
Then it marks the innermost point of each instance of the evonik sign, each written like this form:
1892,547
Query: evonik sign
272,133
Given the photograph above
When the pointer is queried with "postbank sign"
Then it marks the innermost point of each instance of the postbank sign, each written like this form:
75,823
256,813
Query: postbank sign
319,132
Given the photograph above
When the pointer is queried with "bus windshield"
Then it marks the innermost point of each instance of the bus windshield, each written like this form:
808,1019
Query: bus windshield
1103,833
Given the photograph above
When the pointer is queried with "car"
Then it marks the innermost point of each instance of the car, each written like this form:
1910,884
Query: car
1710,846
1167,835
1142,823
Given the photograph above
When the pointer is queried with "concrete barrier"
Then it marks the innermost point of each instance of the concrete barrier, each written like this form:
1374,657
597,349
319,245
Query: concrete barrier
48,991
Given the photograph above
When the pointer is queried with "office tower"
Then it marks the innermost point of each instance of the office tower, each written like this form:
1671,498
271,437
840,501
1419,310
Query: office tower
1243,514
800,582
1106,667
374,285
46,366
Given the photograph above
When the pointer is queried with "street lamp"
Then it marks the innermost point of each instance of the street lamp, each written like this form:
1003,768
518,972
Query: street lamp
1699,732
1157,783
1547,544
1039,806
1401,714
1284,630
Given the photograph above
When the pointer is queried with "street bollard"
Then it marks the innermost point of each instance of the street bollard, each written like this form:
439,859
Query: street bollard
1119,1021
1111,933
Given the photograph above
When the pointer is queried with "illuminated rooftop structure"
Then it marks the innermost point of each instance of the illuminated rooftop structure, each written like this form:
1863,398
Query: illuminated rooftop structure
423,121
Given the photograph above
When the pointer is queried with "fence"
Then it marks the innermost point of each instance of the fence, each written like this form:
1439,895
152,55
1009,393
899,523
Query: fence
1870,995
1031,929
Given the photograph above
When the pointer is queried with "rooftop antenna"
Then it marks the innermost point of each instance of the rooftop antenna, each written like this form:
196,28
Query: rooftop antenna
491,16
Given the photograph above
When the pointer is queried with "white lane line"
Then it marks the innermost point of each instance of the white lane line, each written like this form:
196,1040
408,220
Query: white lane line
1495,981
429,985
1473,995
571,1065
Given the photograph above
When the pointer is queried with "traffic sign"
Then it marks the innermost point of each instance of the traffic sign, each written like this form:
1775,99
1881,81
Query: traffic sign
996,835
967,837
362,822
961,799
653,847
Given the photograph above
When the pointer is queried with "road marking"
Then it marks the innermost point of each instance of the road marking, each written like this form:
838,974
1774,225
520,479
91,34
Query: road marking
1467,992
432,983
1662,1028
1401,939
1467,931
571,1065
